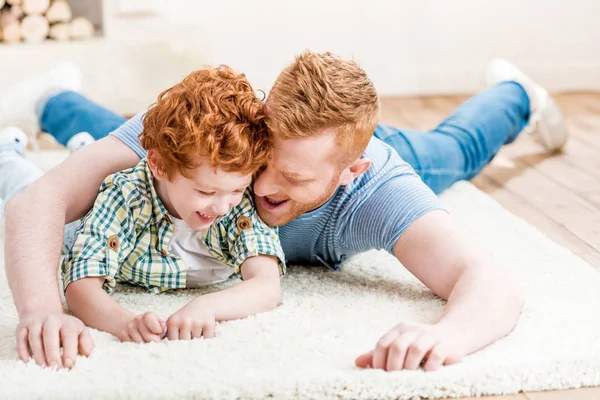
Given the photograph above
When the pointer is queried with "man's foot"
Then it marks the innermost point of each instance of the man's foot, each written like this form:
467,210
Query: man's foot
18,102
79,140
546,122
13,138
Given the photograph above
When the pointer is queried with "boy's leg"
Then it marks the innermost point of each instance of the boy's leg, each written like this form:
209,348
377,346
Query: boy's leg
16,173
467,140
68,114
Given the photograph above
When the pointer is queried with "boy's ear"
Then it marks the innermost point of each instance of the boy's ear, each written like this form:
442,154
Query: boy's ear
154,162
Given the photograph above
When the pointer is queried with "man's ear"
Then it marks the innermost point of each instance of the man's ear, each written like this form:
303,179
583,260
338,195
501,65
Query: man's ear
354,170
154,162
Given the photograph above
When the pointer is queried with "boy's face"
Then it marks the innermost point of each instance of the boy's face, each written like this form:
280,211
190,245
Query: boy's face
202,199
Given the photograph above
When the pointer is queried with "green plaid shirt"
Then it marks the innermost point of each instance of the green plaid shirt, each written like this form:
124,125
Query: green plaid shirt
126,236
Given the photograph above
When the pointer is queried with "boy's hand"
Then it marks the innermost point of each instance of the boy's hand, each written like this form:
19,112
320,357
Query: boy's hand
196,319
144,328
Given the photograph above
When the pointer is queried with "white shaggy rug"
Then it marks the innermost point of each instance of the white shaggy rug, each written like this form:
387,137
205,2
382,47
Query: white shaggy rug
306,347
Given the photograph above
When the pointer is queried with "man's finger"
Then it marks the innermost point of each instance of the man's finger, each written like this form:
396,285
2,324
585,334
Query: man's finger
36,344
23,344
69,340
208,331
365,360
51,337
86,342
381,349
397,351
197,331
435,358
417,352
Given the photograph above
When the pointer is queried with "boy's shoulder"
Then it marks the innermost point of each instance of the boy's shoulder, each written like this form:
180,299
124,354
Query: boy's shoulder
132,188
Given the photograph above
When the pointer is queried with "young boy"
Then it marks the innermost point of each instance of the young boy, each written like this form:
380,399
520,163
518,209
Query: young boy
183,217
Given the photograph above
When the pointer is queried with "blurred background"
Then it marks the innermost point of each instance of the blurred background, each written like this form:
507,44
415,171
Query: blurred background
139,47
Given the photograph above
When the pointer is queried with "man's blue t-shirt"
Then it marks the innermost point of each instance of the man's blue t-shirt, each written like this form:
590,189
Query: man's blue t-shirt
370,213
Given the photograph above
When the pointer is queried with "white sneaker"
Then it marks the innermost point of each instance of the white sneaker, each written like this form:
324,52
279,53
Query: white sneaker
79,140
13,138
546,122
18,102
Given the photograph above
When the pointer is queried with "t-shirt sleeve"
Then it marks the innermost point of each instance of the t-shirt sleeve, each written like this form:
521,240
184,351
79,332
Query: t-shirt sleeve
379,221
128,133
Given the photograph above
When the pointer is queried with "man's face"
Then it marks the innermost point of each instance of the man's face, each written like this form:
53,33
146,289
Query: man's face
301,176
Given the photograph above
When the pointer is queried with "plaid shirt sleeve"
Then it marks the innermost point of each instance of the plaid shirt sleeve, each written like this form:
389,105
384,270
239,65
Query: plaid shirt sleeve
241,234
102,240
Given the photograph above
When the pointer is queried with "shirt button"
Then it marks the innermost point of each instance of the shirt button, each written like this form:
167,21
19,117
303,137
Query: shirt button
163,252
167,219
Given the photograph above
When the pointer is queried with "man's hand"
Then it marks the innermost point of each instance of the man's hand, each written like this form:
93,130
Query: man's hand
41,335
143,328
196,319
408,346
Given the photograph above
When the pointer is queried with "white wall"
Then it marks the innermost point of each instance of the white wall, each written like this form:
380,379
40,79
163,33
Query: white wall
408,47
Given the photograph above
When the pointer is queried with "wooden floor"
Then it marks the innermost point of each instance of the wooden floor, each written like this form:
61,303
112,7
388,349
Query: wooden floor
559,194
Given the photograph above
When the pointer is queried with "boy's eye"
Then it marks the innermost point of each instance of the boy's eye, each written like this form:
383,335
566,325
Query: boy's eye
203,193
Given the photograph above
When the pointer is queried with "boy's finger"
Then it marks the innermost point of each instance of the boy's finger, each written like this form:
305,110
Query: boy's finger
148,335
153,323
86,342
37,347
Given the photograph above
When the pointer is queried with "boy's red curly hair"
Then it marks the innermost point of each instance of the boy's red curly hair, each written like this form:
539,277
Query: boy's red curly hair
213,112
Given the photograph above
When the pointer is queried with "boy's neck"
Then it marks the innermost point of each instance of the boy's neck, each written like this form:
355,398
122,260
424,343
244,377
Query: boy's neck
163,196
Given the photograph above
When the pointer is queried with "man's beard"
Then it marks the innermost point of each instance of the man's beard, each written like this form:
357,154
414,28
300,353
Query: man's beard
295,209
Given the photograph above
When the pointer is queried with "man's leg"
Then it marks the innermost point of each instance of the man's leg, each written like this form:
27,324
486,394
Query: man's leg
467,140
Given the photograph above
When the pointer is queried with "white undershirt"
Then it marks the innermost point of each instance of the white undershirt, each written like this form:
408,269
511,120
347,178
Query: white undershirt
201,267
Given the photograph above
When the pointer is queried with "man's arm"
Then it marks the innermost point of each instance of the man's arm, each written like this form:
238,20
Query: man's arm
259,292
35,221
484,302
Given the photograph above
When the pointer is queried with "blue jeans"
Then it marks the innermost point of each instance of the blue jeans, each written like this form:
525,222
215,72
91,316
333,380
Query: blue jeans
64,114
465,142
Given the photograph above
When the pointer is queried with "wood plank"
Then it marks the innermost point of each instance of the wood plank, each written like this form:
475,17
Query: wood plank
577,215
520,207
573,394
563,168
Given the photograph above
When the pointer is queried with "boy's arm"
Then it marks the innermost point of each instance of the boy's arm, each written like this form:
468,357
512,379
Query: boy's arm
97,309
35,220
259,292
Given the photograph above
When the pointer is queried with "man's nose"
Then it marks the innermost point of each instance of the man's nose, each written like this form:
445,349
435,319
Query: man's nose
265,183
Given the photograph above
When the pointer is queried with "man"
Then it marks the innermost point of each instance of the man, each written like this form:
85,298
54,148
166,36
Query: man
334,190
